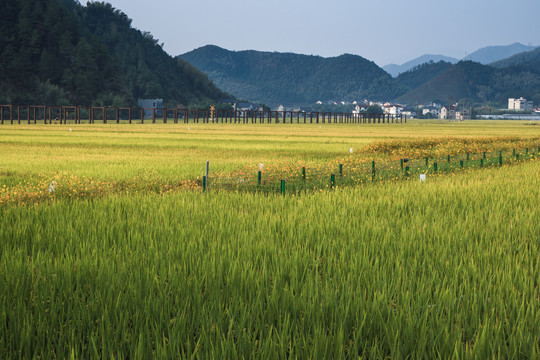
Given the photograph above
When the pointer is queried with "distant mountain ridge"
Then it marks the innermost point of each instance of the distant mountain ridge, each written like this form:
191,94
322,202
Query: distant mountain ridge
287,78
486,55
490,54
395,70
527,58
478,83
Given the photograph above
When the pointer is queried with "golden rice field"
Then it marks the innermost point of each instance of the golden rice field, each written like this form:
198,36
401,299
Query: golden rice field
109,248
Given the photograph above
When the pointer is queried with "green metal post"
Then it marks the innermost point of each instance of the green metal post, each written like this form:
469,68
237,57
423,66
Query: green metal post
500,158
204,183
304,173
468,156
484,155
406,171
448,158
259,178
373,171
427,161
282,187
340,169
481,162
461,163
401,163
332,180
435,166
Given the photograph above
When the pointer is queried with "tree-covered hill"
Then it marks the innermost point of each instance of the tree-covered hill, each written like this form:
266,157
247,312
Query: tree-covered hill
275,78
530,59
421,74
60,52
479,84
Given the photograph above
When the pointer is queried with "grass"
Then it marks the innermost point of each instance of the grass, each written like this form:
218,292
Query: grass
446,268
174,152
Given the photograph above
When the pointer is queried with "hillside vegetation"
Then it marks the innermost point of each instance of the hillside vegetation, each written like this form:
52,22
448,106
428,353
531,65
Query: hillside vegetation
524,59
58,52
292,78
478,84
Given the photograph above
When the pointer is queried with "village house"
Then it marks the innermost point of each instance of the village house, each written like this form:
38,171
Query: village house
463,114
360,108
392,109
447,113
409,112
520,104
430,111
151,105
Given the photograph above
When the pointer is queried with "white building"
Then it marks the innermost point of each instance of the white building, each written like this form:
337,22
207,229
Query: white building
520,104
431,111
392,109
149,104
447,113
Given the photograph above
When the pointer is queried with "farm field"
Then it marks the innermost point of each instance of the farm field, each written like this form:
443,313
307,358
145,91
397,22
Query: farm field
445,268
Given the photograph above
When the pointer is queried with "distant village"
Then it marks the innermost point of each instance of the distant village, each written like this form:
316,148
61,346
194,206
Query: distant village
517,108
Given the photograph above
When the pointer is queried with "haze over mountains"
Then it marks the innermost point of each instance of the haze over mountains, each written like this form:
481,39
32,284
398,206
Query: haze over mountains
486,55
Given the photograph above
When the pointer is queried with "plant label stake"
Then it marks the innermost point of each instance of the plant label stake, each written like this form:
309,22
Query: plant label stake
422,177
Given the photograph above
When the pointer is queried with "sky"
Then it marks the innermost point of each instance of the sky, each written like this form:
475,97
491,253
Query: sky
383,31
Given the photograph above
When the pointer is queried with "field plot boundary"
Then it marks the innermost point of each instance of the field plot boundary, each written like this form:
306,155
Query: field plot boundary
297,179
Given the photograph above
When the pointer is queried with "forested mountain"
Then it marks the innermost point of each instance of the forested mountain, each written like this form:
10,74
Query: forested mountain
59,52
478,84
529,59
395,70
275,78
421,74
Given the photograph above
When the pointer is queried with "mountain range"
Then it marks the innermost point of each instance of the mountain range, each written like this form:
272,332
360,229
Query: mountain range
395,70
59,52
277,78
273,78
486,55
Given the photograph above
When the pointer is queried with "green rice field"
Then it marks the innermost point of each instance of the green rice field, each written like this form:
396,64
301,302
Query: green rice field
106,253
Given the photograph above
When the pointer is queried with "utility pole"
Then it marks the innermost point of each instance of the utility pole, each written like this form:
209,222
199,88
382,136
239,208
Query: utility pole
449,113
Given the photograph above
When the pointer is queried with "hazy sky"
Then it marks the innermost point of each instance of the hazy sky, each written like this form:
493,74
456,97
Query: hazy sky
384,31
